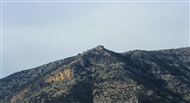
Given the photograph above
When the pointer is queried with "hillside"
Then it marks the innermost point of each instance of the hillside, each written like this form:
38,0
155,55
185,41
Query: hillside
99,75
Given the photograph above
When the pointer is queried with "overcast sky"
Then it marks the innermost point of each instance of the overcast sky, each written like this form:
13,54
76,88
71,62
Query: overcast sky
36,33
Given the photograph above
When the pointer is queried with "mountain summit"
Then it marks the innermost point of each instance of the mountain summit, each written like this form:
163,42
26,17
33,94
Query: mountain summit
99,47
99,75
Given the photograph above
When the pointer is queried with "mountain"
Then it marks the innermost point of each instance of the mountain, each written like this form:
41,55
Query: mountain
99,75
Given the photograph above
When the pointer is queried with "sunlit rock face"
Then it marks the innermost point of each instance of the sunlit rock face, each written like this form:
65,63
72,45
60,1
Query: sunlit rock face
60,75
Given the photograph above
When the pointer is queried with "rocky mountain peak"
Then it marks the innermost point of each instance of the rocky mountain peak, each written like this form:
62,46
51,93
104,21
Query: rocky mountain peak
96,50
99,75
99,47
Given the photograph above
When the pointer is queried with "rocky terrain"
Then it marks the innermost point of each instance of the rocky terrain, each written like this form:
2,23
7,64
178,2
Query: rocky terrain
103,76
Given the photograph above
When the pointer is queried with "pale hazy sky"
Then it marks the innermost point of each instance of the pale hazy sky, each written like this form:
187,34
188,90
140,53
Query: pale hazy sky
36,33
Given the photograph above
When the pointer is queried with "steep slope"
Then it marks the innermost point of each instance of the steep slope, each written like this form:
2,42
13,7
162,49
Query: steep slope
103,76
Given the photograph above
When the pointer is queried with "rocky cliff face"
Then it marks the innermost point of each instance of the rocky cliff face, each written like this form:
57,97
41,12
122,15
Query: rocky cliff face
103,76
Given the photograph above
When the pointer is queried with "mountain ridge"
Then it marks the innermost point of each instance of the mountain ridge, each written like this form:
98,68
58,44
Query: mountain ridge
100,75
